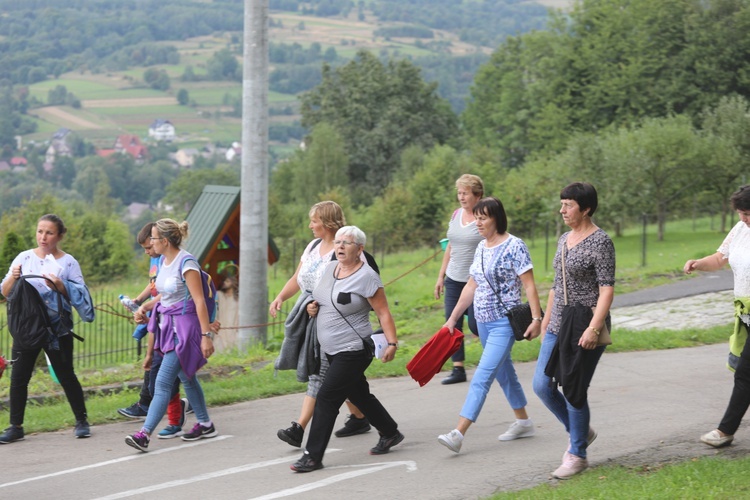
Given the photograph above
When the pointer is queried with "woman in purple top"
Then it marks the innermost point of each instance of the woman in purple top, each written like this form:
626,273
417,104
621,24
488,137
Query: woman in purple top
180,329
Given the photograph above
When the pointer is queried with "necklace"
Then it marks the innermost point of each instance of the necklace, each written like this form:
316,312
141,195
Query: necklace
575,237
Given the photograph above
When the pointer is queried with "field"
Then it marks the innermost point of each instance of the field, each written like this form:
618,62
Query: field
119,102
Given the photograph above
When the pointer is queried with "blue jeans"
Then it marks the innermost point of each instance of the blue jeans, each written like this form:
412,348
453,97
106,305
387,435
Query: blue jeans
495,364
575,420
168,372
452,291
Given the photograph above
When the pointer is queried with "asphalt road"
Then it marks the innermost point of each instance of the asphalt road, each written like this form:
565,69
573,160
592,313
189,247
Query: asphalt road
648,408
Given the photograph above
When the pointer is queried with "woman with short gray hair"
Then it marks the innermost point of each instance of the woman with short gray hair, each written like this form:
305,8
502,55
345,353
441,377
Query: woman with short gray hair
344,296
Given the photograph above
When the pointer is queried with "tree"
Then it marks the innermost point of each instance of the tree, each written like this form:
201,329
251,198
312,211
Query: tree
726,133
323,164
186,189
183,97
378,109
157,79
223,65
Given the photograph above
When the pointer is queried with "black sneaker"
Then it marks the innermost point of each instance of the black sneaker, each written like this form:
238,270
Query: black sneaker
306,464
133,411
386,443
457,375
11,434
139,441
293,435
82,429
200,432
353,426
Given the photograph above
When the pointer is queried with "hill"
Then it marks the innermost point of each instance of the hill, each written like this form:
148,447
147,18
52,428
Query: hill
110,83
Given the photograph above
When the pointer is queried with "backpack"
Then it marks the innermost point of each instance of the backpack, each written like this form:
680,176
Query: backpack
209,288
28,319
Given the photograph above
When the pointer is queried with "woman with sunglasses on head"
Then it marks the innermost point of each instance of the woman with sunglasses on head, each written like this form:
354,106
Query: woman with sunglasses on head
180,329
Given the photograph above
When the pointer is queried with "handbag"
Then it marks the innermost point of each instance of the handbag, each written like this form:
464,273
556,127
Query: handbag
604,337
519,316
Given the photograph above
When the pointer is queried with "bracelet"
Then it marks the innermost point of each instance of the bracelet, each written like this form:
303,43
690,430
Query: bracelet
596,330
394,344
537,319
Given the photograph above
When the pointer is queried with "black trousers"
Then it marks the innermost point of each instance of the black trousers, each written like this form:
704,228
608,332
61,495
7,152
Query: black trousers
345,379
62,363
740,400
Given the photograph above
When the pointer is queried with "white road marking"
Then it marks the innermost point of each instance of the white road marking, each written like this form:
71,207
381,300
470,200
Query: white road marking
370,468
117,461
201,477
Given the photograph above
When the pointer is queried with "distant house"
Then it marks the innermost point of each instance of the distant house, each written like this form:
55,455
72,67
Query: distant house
131,144
186,157
58,146
234,153
161,130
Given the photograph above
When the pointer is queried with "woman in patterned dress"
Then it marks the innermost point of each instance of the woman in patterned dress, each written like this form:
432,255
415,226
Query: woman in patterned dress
590,276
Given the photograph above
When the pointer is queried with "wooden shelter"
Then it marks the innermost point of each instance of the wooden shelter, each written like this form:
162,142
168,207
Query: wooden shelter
214,225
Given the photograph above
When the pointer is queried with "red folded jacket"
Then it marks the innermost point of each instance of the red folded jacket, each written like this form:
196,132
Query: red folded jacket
433,355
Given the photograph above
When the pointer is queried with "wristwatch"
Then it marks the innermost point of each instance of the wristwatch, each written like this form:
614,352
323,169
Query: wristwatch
208,334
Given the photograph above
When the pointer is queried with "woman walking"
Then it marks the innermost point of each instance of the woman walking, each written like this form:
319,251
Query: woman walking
501,267
347,291
50,231
735,251
180,329
587,256
326,218
463,237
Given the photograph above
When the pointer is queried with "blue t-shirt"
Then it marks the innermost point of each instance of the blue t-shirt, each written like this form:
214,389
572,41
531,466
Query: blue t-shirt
498,267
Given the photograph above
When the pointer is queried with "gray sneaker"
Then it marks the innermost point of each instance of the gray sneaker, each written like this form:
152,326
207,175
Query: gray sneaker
11,434
82,429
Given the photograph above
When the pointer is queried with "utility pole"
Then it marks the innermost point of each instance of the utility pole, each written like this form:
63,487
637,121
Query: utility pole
253,300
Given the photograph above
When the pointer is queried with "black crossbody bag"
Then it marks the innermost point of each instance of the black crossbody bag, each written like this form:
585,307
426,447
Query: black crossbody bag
519,316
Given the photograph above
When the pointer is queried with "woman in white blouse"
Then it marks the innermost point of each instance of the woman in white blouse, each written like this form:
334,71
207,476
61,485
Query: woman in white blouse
735,251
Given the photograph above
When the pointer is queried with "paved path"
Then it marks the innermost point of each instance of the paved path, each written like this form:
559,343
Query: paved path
648,408
700,302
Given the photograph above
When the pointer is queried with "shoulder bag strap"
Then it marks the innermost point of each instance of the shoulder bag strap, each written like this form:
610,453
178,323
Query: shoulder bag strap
489,282
333,303
565,284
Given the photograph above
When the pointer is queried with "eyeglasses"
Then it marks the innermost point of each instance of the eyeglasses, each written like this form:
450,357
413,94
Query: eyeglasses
152,238
344,242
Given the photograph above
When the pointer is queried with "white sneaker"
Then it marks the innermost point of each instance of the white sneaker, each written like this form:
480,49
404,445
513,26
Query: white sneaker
516,431
571,466
715,439
452,440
